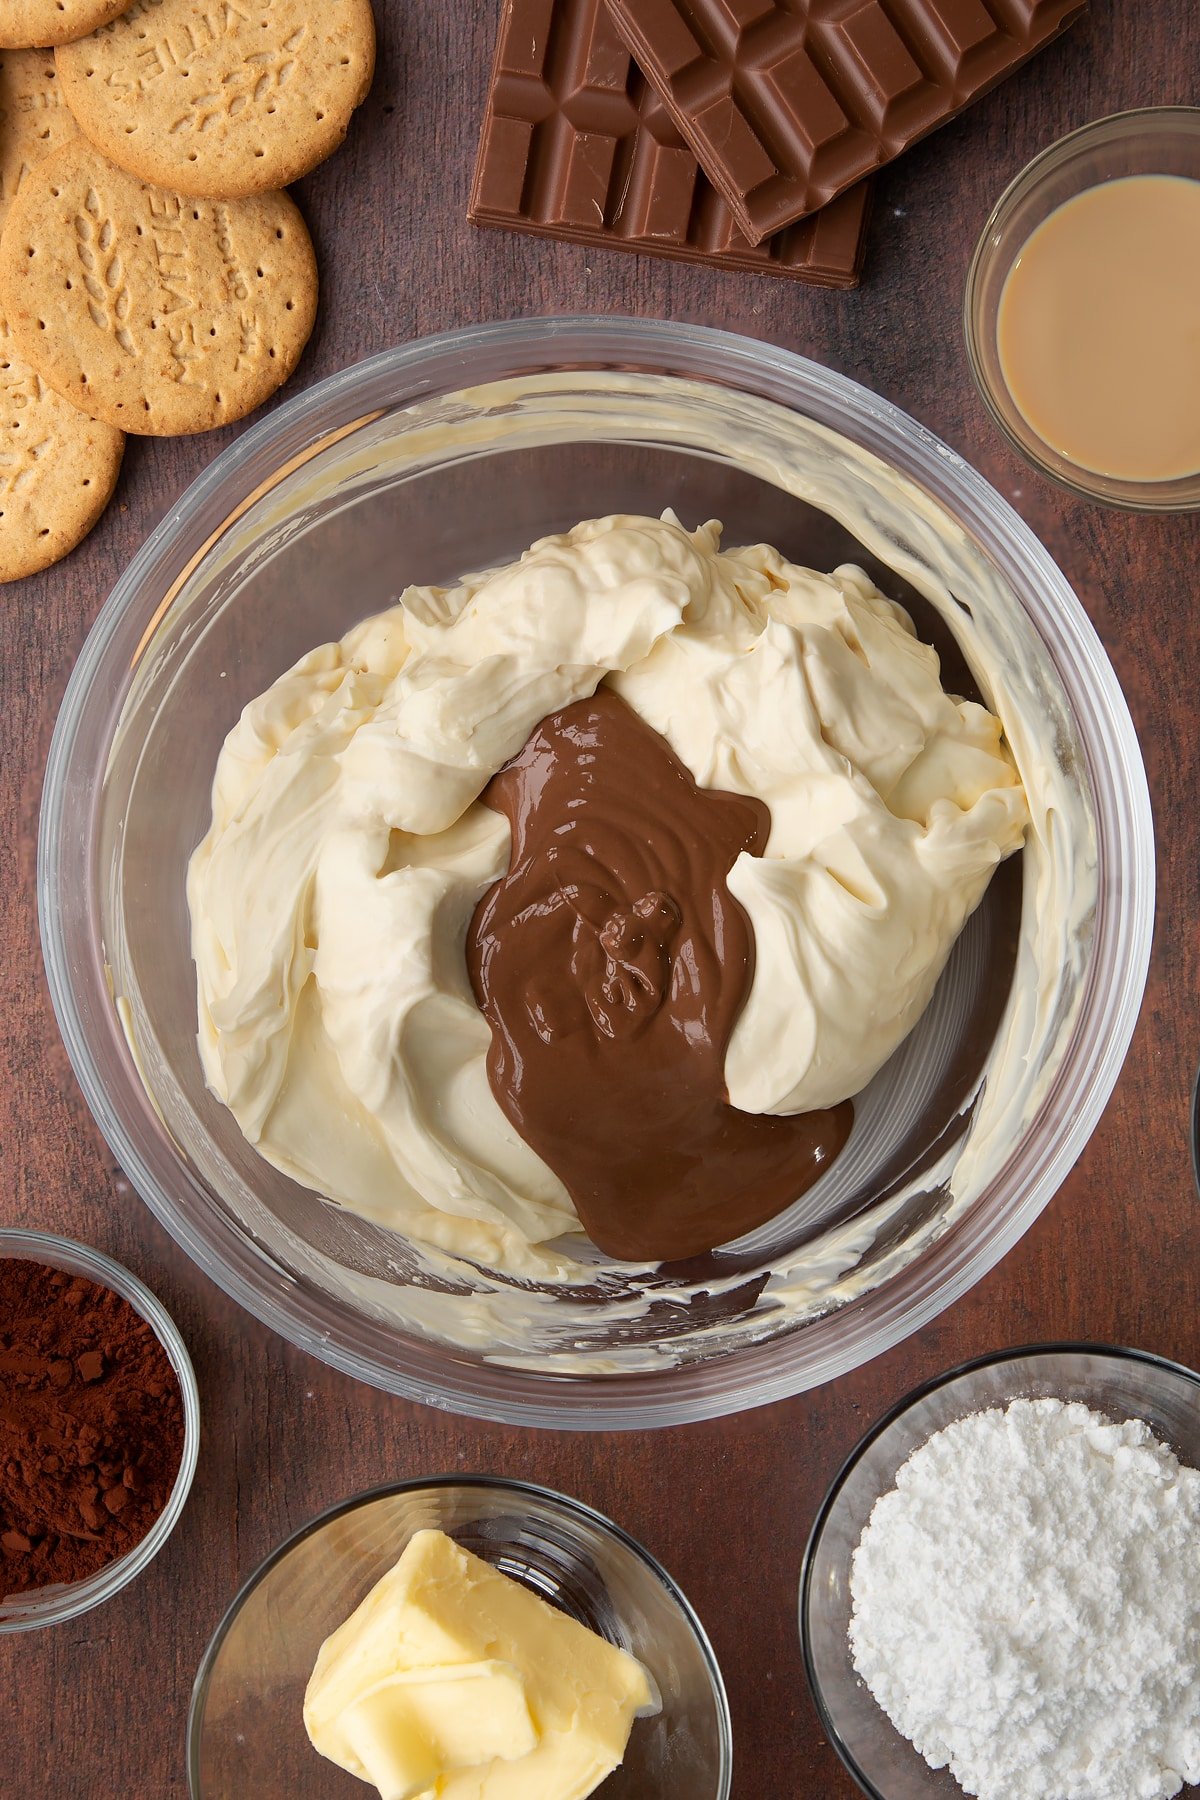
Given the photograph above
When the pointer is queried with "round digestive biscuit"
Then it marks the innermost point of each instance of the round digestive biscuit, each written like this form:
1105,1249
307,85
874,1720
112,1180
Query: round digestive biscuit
34,120
155,312
38,23
222,97
57,469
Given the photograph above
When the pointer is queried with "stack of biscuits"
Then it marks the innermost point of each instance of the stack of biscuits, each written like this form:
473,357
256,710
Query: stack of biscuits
154,277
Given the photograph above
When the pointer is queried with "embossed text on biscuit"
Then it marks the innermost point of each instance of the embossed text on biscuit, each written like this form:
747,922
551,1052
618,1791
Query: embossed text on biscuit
169,244
173,50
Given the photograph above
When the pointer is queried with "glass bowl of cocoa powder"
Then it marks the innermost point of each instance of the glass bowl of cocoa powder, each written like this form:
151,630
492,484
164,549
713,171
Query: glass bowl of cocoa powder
99,1428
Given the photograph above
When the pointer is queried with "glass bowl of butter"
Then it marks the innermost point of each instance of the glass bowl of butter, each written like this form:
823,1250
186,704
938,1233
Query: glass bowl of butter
401,476
461,1635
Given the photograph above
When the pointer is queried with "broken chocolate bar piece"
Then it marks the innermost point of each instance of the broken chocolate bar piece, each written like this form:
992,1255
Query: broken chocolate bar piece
577,146
787,103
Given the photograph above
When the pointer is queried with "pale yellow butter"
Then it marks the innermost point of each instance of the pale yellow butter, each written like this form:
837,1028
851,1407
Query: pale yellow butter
452,1682
418,1725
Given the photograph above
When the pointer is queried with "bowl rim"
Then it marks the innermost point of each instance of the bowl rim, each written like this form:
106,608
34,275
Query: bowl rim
1023,183
990,1359
54,1604
585,343
576,1510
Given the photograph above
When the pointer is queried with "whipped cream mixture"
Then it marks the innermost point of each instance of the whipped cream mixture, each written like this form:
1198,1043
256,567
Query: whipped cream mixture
331,897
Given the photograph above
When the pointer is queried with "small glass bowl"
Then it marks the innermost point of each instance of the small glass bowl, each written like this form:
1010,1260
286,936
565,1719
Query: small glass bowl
1155,140
1124,1384
51,1605
246,1730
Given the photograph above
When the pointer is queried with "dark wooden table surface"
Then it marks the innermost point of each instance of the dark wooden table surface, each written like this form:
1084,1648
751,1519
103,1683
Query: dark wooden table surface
99,1705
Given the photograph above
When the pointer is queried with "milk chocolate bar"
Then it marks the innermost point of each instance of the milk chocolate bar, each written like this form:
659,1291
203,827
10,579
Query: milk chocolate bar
576,145
787,103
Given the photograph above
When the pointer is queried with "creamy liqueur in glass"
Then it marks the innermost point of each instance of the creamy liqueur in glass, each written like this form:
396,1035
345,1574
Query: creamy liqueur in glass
1099,329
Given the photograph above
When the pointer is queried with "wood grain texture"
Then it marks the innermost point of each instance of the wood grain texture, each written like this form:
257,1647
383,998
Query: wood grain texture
102,1702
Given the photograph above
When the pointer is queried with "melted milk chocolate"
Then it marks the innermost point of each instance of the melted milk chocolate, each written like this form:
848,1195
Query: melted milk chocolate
611,963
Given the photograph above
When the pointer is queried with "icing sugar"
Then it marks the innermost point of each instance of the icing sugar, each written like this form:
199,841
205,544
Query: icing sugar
1026,1606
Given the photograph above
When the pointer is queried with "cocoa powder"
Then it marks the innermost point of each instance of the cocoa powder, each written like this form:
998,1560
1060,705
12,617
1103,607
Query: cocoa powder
91,1426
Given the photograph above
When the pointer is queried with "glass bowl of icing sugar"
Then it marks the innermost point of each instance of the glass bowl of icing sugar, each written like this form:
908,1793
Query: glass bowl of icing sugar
1000,1592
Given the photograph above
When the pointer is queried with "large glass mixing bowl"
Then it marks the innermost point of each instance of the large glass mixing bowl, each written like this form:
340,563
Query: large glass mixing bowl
455,453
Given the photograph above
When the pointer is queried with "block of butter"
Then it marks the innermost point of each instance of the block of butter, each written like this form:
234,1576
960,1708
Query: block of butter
452,1680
